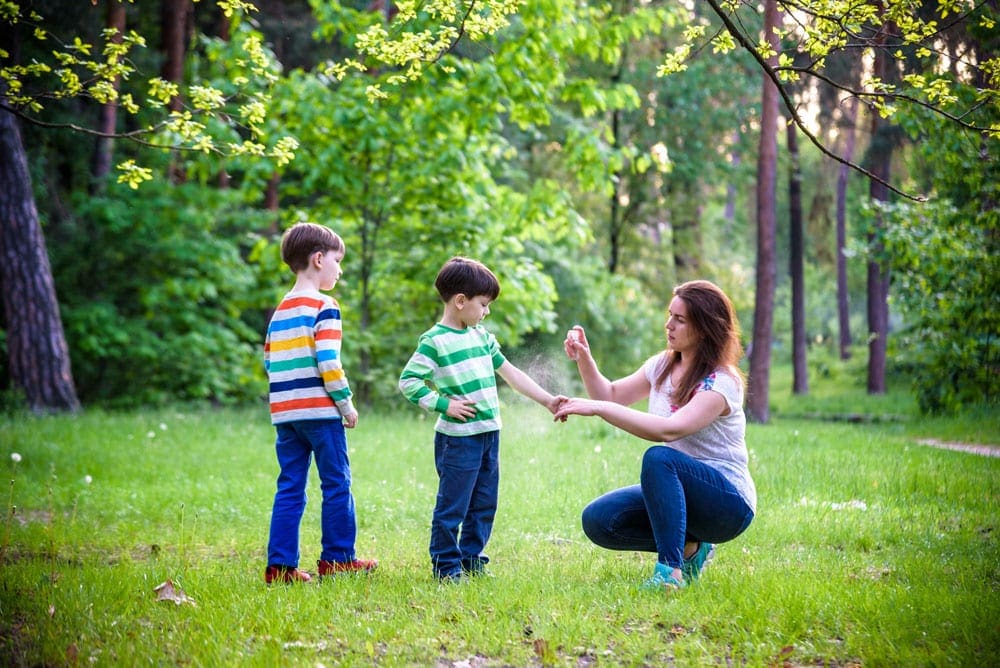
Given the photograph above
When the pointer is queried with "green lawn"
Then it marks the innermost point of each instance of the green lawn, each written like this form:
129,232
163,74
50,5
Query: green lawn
868,549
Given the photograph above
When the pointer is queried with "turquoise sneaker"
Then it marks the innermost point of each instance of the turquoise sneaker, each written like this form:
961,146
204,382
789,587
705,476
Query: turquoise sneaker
662,579
696,562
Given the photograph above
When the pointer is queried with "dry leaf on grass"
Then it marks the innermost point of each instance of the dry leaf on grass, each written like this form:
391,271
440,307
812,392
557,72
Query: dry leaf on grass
166,591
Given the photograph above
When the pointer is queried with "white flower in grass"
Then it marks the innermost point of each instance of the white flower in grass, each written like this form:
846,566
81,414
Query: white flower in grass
853,504
163,426
597,448
15,457
87,479
150,434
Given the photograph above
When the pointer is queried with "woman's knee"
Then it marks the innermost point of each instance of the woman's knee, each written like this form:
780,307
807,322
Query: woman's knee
592,521
660,455
596,520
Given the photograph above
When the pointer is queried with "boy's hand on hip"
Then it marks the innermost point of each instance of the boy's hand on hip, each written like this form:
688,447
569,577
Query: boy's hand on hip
461,409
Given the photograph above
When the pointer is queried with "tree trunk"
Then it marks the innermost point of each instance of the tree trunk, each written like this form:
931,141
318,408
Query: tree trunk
800,372
37,354
174,18
108,119
843,300
614,212
767,165
687,242
879,160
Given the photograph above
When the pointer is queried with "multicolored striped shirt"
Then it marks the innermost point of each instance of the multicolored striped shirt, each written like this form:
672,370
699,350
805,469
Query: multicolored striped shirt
455,363
302,359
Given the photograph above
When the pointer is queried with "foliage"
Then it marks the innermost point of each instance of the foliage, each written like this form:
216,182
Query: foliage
947,40
951,340
193,117
487,133
945,264
833,571
157,300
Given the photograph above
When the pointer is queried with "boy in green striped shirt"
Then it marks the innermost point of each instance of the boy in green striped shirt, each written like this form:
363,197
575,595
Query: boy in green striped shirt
453,373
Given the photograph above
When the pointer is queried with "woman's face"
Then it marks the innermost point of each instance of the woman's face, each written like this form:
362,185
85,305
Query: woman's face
681,334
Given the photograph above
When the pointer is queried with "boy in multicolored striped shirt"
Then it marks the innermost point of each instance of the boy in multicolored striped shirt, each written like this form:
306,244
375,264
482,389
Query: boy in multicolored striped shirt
453,373
310,407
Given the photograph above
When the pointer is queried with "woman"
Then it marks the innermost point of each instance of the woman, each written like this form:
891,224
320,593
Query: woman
695,488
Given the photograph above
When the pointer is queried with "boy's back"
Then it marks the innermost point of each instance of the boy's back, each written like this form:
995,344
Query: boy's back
302,358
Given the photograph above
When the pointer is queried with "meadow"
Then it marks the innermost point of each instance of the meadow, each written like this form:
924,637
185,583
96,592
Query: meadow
869,549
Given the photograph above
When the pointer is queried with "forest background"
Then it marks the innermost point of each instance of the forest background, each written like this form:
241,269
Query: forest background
594,155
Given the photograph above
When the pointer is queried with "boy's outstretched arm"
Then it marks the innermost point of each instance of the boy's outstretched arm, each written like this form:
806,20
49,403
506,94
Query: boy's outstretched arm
526,385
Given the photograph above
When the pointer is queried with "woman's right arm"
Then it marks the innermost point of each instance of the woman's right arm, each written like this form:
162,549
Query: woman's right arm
625,391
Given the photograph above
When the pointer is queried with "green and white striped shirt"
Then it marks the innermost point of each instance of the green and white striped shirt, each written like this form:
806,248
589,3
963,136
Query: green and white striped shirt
455,363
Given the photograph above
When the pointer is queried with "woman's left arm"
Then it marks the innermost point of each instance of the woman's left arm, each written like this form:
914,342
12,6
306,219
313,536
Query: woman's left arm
694,416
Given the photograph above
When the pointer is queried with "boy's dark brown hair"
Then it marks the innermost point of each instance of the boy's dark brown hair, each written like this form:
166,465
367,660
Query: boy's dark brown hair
302,240
461,275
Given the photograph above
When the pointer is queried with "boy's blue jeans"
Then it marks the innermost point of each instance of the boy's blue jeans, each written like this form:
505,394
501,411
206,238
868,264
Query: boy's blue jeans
468,469
296,443
679,500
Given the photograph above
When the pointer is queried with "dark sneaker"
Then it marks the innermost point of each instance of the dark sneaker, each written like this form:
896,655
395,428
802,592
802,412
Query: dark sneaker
662,579
476,568
285,574
458,577
341,567
696,562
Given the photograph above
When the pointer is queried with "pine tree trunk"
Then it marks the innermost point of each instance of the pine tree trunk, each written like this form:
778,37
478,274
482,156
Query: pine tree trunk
796,270
37,354
758,408
879,161
843,300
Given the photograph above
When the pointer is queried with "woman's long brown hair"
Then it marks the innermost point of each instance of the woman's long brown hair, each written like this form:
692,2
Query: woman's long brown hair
713,317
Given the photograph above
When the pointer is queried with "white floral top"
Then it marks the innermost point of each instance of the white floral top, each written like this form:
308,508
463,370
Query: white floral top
722,444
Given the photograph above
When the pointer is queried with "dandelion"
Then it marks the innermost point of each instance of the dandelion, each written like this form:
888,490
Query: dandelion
87,479
150,434
597,448
15,457
163,426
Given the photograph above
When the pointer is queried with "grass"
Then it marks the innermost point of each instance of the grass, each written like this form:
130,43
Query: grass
868,549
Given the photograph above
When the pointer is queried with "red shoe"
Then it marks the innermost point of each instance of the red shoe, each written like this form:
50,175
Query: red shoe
353,566
285,574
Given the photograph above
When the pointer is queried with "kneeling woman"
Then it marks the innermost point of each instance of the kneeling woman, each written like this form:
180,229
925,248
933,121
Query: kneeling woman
695,488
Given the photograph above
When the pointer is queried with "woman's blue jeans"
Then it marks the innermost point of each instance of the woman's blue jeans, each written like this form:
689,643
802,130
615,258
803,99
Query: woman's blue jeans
296,443
468,469
679,500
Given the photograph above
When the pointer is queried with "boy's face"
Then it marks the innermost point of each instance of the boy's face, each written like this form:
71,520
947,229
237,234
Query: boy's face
330,272
472,310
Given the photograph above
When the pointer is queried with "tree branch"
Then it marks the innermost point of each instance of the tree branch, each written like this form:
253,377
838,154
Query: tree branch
790,105
135,136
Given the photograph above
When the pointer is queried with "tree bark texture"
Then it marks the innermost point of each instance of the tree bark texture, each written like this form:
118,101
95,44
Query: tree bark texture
843,301
758,409
38,357
796,269
883,140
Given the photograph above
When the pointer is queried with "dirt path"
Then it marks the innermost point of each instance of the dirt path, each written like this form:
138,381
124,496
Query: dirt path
985,450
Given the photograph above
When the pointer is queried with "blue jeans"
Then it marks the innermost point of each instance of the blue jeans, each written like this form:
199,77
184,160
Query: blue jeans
679,500
296,443
468,469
